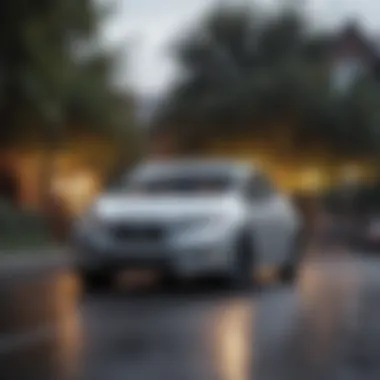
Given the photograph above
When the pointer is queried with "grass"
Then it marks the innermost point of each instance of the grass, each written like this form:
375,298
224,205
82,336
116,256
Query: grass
22,231
24,241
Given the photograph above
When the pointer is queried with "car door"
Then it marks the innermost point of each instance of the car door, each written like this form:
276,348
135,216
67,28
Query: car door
267,220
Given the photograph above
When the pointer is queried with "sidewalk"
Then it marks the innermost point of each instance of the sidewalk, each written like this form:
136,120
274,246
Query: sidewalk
30,262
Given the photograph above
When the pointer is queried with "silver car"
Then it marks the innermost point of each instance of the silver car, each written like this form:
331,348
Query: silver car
189,219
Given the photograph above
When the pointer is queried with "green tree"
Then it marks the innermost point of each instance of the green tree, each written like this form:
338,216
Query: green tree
245,69
54,72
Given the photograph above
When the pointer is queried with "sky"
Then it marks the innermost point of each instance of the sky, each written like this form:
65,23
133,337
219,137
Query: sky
147,27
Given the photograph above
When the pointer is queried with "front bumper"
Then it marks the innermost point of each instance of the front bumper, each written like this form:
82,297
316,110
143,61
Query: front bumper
191,261
366,242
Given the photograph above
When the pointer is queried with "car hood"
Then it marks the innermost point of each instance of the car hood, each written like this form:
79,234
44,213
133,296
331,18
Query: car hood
127,207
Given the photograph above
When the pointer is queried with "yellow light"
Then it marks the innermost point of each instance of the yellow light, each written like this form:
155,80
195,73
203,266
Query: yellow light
351,173
311,179
77,189
232,344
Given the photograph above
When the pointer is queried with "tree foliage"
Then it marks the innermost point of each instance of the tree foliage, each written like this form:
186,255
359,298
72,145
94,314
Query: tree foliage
53,69
244,69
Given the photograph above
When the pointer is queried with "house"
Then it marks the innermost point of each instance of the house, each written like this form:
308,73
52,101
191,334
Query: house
353,54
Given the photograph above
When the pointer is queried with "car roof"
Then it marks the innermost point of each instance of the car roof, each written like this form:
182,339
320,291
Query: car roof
198,166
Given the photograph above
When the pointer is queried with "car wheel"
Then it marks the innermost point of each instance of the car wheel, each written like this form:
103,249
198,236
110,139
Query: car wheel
242,276
289,271
97,280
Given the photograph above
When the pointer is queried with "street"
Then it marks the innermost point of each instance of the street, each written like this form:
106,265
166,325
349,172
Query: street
148,144
324,327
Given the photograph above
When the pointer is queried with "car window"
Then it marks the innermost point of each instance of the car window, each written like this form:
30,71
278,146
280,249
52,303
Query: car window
179,181
182,184
259,187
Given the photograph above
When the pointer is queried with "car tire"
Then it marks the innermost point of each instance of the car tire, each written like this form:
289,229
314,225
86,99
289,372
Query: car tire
243,264
289,271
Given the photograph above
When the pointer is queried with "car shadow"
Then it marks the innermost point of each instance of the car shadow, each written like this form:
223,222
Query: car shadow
200,289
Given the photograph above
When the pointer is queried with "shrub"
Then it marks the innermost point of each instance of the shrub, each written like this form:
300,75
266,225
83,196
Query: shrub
20,228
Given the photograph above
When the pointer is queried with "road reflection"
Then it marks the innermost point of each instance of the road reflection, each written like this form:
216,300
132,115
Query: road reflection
200,334
329,293
70,327
41,331
233,341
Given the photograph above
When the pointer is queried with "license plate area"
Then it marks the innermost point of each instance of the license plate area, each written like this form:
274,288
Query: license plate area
139,276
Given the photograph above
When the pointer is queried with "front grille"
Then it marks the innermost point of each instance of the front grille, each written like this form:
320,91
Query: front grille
138,233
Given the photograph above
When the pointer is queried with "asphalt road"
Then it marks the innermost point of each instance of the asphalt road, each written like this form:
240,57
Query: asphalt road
324,327
313,329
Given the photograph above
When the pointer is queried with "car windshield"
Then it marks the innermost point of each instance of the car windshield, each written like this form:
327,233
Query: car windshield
181,183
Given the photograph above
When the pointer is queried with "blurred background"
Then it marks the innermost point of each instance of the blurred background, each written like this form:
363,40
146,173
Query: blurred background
89,88
92,87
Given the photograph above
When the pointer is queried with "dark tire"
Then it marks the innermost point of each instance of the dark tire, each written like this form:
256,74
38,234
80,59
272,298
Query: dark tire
242,277
289,271
94,281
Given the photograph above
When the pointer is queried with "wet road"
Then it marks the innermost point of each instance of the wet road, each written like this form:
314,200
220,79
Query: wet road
277,332
171,337
324,327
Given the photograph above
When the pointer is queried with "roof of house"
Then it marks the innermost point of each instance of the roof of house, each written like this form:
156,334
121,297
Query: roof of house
354,30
